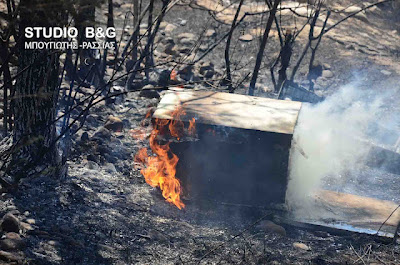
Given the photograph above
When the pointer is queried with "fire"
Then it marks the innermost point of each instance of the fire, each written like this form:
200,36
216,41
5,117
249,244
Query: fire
192,126
160,169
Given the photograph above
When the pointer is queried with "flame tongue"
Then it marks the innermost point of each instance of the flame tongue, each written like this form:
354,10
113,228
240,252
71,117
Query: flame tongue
161,169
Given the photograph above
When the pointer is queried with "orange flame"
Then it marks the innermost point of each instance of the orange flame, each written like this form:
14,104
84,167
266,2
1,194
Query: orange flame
173,75
192,126
160,169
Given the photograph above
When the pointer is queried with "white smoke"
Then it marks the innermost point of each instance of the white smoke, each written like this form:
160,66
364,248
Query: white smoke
328,139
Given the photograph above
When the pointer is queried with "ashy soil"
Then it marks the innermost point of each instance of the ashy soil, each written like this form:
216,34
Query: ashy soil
103,212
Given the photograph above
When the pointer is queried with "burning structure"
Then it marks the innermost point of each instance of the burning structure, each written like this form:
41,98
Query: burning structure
231,148
238,153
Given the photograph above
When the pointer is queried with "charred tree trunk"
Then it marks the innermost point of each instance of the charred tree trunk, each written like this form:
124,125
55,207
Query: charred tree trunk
264,40
286,54
228,44
85,17
36,96
136,32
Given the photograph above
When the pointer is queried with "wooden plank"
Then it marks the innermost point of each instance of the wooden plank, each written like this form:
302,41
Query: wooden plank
232,110
350,212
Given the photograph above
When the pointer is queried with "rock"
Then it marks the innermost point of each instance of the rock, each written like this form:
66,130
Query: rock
102,134
168,41
326,66
301,246
185,50
362,16
160,77
206,66
246,38
271,227
118,93
13,241
92,165
386,72
183,22
203,47
10,223
207,69
26,226
149,92
186,36
114,124
92,120
163,25
352,9
110,158
110,168
187,42
170,50
208,74
85,137
170,27
13,257
327,74
210,33
31,221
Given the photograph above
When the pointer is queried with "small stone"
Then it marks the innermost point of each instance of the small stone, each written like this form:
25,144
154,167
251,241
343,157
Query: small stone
92,165
206,66
186,36
114,124
386,72
246,38
187,41
102,134
327,74
271,227
168,41
170,49
10,223
163,24
210,33
26,226
203,47
302,246
209,74
183,22
170,28
326,66
12,242
352,9
85,137
31,221
9,256
110,168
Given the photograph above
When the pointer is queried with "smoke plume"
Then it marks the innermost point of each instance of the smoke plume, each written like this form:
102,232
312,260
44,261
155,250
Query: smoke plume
332,139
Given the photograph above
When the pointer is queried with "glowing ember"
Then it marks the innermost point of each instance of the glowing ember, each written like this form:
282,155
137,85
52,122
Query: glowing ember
160,169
